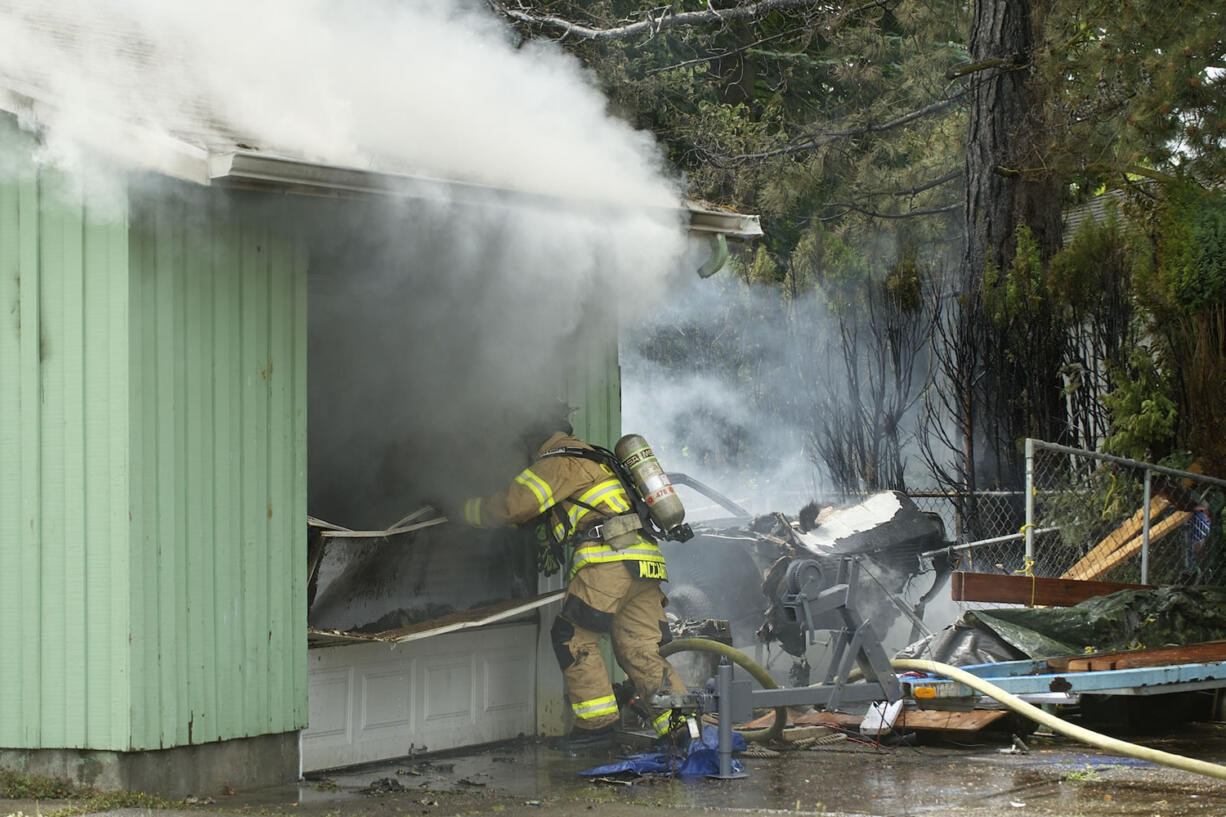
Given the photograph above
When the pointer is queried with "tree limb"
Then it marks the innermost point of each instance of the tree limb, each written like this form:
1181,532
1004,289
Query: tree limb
1013,63
821,139
855,208
920,188
728,53
666,18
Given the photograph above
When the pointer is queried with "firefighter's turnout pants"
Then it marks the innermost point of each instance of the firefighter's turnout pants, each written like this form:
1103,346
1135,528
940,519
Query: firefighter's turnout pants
613,591
608,599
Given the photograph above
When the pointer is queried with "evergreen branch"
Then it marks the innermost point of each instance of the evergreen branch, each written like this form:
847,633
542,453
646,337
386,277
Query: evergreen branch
722,54
855,208
665,18
1013,63
1149,173
920,188
822,139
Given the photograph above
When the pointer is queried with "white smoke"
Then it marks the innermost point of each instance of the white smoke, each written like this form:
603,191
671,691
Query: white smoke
430,320
435,88
715,378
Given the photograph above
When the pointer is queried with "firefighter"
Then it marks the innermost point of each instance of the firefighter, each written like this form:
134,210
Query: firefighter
613,587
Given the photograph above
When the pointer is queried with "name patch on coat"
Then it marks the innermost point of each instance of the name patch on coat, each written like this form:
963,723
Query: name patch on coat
652,570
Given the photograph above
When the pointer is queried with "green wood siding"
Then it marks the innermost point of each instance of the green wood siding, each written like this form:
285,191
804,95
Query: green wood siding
218,394
593,379
153,436
64,681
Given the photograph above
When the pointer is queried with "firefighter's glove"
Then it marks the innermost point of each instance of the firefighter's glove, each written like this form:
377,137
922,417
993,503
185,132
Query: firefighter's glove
547,562
546,551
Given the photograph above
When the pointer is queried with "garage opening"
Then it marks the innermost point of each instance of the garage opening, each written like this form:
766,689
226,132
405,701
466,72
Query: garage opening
435,330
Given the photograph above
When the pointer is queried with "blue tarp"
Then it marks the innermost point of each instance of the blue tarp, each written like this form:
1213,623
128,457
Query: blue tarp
701,759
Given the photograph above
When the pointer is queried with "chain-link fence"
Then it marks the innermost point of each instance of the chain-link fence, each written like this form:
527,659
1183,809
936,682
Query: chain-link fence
1091,517
1097,517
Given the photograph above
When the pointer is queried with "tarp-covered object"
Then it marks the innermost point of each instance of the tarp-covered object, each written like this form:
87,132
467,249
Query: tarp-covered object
962,644
701,759
1128,619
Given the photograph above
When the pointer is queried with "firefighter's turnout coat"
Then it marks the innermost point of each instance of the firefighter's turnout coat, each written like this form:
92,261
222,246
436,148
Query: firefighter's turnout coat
611,591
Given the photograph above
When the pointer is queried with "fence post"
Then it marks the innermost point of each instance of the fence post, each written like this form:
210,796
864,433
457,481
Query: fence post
1145,531
1029,526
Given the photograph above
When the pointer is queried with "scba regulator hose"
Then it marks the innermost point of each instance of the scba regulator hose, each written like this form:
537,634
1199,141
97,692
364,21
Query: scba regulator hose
1016,704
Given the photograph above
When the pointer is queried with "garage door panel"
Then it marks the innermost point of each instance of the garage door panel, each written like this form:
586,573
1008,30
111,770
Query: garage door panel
372,702
387,699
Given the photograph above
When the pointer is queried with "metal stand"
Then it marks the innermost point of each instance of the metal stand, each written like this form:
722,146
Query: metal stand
819,601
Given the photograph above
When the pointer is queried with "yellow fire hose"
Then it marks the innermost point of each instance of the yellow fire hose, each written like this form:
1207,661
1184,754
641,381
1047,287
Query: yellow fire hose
1034,713
768,733
1113,745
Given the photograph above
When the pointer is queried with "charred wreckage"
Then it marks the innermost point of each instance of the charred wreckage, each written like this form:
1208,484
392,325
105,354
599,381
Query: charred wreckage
743,567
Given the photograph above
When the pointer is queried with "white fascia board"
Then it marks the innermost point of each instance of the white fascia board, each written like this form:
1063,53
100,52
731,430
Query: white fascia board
125,144
732,225
239,167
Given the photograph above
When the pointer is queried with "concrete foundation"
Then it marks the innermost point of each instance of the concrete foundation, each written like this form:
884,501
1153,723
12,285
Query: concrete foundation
207,769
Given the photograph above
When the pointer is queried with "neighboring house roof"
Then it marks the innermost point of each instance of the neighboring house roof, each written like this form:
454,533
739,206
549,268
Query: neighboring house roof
1095,210
187,140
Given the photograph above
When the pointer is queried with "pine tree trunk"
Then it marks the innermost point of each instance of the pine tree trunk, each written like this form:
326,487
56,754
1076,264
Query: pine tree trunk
1008,185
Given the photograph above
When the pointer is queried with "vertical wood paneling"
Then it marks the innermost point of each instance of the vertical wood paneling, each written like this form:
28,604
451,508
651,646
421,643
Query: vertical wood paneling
297,683
152,373
221,329
593,381
63,495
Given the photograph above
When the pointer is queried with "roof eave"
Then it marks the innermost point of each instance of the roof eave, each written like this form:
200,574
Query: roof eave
251,168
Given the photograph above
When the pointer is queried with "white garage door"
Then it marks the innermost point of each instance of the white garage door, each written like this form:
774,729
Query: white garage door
377,701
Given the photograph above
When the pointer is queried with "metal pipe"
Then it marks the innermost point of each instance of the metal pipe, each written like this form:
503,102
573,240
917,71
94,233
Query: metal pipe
1028,528
1161,469
995,540
1145,530
724,686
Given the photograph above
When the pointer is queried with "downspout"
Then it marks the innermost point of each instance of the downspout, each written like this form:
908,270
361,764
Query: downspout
719,256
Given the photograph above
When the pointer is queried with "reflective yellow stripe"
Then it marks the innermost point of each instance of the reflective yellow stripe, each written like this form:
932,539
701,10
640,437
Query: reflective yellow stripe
595,708
597,553
610,492
538,486
660,724
472,512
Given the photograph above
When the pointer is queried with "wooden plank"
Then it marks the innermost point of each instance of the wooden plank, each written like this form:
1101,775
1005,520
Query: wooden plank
1160,657
944,720
1032,590
1172,522
420,512
1114,540
319,523
382,534
462,620
914,719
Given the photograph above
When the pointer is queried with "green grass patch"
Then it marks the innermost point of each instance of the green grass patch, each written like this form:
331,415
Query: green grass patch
82,799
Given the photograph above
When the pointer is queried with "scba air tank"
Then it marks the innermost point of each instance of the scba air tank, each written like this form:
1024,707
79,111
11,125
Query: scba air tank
651,482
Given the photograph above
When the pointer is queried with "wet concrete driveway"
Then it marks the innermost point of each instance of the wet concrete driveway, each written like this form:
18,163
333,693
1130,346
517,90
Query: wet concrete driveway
1056,777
